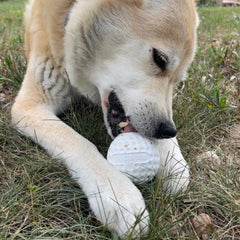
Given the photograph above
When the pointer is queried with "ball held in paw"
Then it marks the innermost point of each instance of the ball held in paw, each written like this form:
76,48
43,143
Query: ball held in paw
135,156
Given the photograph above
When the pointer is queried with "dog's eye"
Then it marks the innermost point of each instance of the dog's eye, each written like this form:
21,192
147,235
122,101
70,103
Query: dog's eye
160,59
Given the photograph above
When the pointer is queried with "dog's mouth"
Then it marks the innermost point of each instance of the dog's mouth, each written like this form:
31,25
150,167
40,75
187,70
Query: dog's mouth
116,116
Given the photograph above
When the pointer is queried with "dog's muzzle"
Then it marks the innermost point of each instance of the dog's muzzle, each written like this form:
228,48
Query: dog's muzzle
120,123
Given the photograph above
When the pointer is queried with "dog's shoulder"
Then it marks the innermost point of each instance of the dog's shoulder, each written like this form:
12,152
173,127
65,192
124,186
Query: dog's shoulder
44,27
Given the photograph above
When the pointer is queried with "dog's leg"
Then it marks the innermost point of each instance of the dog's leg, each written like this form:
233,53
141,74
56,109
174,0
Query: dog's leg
173,167
114,199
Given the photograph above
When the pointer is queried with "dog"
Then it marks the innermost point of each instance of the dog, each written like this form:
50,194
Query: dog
125,55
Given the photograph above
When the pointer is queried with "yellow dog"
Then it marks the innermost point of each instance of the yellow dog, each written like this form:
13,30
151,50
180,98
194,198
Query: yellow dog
127,56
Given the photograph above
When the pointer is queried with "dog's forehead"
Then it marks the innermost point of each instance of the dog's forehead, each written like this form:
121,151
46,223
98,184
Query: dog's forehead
174,21
170,24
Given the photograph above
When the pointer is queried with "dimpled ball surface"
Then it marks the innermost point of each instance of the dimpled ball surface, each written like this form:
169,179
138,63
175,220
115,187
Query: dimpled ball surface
134,156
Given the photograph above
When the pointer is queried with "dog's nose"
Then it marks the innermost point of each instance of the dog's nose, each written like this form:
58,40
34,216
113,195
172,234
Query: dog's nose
165,130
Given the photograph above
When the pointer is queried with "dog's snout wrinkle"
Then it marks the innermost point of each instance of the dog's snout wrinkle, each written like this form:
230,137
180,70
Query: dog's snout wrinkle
165,130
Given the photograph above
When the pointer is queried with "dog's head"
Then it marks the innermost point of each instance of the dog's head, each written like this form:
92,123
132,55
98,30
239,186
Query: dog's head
131,53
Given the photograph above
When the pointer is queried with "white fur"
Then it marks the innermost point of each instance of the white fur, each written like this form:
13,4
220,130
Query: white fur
173,168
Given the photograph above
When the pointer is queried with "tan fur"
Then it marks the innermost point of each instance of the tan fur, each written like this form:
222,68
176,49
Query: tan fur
44,21
61,57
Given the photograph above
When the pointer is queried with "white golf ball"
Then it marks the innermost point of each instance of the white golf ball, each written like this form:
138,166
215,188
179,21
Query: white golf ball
135,156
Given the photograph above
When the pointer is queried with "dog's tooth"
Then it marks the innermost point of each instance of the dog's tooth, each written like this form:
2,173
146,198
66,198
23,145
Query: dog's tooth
114,113
123,124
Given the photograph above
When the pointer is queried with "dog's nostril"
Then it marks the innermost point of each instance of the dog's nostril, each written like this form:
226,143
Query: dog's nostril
165,130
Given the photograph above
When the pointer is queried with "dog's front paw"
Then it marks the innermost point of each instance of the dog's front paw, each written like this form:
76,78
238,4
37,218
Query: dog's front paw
173,168
119,205
176,176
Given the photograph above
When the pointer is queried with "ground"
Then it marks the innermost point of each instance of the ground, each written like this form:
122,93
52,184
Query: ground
39,200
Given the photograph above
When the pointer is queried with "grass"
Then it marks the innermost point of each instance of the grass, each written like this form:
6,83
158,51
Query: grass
39,200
